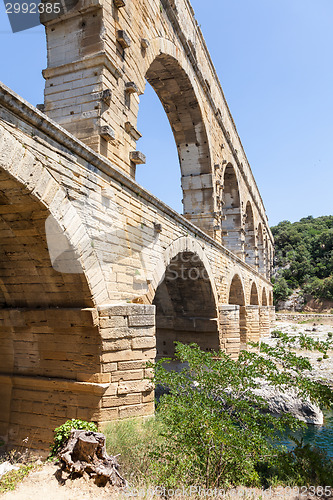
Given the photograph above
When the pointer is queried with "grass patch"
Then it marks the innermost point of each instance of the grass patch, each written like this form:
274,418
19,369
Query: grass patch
10,480
133,441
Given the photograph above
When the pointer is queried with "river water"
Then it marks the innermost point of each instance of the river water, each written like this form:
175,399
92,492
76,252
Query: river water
320,436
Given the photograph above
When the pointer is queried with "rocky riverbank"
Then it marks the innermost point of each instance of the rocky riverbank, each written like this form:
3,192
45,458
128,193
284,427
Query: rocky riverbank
317,327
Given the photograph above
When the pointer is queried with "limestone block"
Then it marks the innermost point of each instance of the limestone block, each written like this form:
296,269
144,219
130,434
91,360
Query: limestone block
131,88
123,39
137,157
142,320
143,342
107,133
134,386
136,410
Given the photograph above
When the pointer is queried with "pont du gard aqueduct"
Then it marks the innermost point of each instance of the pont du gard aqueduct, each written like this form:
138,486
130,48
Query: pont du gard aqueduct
98,276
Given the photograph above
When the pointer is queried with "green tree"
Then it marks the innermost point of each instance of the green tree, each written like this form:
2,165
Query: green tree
304,253
218,432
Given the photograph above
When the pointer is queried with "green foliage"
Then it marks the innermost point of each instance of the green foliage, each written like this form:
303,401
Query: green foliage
304,254
9,481
217,431
302,466
63,432
281,290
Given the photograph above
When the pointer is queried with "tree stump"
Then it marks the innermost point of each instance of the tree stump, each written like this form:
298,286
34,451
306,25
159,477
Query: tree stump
85,452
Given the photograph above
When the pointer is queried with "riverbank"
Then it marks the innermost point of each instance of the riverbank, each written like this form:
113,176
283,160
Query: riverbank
318,327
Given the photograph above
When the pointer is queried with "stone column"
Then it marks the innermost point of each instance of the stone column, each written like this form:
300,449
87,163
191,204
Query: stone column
252,323
229,329
58,364
128,343
264,318
50,372
272,316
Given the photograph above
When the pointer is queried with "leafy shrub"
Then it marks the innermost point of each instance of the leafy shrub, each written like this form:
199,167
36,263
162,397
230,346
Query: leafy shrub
63,432
303,466
281,290
276,334
217,431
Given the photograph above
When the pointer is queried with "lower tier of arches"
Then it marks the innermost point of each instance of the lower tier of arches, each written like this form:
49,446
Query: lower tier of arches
90,363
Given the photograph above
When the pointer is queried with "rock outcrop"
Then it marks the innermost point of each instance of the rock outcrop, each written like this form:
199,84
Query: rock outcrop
289,402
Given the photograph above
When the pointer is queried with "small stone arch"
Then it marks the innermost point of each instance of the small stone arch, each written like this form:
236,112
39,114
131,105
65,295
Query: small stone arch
254,298
250,255
236,292
186,309
264,297
237,297
231,212
182,245
270,298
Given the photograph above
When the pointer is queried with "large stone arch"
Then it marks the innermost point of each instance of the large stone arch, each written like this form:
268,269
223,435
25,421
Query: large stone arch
49,331
171,77
250,254
231,212
237,298
261,249
28,177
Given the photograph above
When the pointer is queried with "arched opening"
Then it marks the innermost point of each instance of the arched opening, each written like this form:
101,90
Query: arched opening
186,310
46,330
271,298
176,93
261,250
254,299
264,297
231,221
237,297
161,173
27,277
250,250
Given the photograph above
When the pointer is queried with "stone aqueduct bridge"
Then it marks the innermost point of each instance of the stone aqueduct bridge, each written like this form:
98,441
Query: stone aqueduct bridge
95,272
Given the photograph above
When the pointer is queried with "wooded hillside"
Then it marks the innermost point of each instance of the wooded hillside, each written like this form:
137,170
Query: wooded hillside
304,257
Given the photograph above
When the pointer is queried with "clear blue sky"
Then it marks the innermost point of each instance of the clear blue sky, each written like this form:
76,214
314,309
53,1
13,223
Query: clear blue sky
274,61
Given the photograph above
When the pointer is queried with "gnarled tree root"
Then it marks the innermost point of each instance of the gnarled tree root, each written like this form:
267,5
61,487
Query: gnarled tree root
85,452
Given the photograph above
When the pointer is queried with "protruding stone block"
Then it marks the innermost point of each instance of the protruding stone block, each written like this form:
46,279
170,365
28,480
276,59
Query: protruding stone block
130,129
107,133
144,43
137,157
123,39
106,96
119,3
131,88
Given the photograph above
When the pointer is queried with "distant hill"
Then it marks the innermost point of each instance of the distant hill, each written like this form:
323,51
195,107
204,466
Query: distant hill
304,258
